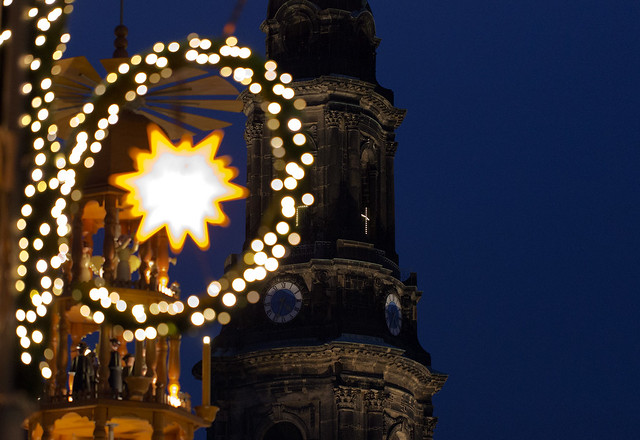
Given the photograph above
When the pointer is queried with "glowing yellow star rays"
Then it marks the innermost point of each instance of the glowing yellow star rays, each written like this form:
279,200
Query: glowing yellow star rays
179,187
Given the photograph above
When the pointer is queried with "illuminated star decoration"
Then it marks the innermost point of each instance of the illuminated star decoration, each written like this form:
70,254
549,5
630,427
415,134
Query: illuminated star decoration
179,187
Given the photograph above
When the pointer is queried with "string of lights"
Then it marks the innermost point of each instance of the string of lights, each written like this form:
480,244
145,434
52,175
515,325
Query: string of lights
52,197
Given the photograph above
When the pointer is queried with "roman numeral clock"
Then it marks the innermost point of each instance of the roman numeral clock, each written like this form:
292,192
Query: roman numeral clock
282,301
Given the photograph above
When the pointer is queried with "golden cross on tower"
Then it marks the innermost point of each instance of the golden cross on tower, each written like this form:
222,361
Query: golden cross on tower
366,218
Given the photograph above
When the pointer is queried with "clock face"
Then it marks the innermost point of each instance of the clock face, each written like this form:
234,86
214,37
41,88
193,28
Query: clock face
283,301
393,314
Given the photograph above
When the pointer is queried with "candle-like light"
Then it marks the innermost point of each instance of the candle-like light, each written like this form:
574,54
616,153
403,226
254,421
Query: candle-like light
206,371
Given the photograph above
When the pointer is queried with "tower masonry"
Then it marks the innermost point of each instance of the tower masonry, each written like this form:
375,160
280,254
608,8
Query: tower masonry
331,349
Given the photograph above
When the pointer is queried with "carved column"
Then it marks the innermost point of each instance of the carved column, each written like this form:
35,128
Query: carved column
353,175
52,383
139,358
376,187
330,166
144,252
104,354
253,137
110,236
162,259
374,402
390,223
100,419
76,243
153,266
88,229
151,359
75,340
430,427
158,427
265,175
61,350
138,383
161,370
345,399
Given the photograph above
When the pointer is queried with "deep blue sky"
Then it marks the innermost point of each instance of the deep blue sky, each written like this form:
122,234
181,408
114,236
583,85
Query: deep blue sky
518,197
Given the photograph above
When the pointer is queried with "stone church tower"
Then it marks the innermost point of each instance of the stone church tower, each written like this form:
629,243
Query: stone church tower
331,350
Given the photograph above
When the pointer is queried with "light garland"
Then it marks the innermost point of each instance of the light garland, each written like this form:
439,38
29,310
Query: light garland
52,195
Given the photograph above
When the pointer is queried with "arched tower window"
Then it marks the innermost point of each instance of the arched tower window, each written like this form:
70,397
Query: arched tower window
369,174
283,431
297,32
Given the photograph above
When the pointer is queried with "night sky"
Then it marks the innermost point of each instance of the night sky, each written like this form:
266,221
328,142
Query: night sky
518,198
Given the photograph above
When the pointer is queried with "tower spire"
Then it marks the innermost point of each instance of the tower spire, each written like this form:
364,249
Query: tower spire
121,32
322,37
330,350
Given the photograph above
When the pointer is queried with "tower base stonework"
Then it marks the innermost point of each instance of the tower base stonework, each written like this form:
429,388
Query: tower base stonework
338,390
333,372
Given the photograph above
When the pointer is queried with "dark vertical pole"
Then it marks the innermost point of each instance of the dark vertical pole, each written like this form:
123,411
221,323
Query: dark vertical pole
13,405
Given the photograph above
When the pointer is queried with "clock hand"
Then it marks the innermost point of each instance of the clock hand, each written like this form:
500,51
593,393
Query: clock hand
283,306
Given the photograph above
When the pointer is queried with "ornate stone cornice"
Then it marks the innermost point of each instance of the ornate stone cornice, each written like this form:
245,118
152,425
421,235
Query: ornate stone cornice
407,372
328,88
362,91
333,85
332,118
388,115
330,269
